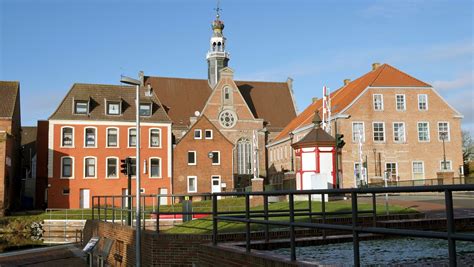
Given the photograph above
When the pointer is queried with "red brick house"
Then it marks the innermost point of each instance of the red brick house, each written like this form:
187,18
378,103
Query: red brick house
400,122
202,160
10,142
91,131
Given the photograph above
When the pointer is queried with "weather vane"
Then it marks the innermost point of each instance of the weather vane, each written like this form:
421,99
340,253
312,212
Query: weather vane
218,9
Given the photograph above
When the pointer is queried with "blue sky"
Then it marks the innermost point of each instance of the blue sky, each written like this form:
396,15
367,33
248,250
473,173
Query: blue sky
49,45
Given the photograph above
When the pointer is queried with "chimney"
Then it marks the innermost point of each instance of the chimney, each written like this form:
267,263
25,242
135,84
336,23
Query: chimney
346,81
375,65
141,77
314,99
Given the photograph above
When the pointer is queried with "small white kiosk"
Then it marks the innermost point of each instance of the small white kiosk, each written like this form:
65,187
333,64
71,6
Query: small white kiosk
315,160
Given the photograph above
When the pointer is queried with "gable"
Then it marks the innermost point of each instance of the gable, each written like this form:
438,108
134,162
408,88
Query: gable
203,123
236,103
9,92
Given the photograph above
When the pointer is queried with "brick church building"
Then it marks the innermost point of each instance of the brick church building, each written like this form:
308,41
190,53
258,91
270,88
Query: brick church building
237,110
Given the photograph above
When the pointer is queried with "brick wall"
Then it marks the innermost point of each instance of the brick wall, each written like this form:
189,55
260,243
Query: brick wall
204,168
186,250
236,256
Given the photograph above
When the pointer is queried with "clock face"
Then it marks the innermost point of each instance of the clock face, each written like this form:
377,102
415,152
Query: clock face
227,119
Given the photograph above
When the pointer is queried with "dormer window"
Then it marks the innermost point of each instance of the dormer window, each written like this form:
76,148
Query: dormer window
113,108
145,109
81,107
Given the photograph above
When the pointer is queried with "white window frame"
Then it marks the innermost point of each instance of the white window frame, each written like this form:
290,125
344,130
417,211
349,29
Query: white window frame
108,102
404,102
418,131
128,137
363,131
107,137
447,161
381,102
62,137
195,157
218,158
160,168
74,110
384,132
95,137
426,99
197,131
448,130
404,132
145,104
413,169
72,168
84,167
149,137
117,168
396,168
206,131
195,184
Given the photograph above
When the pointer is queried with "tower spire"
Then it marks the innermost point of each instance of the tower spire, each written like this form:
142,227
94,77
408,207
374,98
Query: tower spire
217,57
218,9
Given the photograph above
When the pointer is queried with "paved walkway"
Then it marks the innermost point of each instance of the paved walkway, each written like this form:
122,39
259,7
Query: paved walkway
62,255
431,204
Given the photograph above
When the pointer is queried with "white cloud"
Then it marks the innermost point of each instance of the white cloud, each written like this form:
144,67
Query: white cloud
462,81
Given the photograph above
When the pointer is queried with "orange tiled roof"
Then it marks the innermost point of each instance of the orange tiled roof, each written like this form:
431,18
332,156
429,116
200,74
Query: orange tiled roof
383,76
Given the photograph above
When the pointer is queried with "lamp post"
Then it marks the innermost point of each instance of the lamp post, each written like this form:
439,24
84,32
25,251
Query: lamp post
137,83
291,151
443,136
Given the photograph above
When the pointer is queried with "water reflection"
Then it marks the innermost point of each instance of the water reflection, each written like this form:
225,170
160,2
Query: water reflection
404,251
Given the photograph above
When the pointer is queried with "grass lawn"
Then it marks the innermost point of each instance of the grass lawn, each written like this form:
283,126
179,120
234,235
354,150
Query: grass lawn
204,226
200,226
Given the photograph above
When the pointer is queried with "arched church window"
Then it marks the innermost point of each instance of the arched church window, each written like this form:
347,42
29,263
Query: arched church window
244,156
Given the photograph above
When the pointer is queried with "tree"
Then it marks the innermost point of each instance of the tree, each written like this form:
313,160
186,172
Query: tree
467,150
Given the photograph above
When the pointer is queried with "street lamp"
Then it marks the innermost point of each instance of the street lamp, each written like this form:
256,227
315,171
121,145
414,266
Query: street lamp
443,136
137,83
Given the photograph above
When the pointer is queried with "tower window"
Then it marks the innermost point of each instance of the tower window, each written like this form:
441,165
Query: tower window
226,93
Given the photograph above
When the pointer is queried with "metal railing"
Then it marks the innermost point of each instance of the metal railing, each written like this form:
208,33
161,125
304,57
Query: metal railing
425,182
66,215
450,235
106,208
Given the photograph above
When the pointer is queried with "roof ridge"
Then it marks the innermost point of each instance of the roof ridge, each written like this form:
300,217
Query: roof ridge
381,68
103,85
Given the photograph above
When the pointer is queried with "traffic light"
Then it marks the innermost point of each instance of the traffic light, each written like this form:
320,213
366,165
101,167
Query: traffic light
339,142
125,166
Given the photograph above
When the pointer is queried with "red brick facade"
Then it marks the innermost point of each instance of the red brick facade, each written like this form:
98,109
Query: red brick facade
66,192
204,168
10,142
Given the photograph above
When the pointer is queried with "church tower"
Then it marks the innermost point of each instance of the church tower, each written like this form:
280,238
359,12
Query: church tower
217,57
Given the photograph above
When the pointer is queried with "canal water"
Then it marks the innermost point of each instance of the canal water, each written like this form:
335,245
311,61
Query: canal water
406,251
18,241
